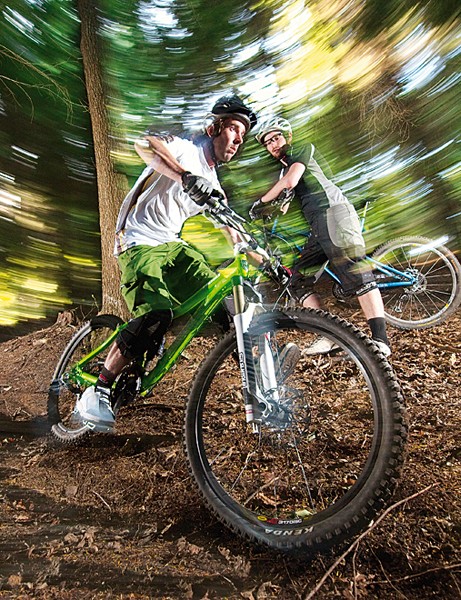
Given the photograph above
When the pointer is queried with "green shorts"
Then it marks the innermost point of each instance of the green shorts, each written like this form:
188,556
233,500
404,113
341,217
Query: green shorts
161,277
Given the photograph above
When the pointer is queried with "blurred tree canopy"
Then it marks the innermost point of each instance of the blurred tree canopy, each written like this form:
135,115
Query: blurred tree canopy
375,86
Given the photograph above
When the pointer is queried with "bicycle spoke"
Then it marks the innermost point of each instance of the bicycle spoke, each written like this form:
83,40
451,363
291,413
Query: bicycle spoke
303,471
435,290
286,470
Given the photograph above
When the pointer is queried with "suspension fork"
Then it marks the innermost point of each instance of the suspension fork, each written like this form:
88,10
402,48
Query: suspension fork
242,318
252,394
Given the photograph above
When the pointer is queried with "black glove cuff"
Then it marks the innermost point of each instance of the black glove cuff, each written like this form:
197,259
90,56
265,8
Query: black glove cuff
185,180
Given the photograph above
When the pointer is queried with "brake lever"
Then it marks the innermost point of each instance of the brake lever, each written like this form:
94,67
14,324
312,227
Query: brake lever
227,216
221,210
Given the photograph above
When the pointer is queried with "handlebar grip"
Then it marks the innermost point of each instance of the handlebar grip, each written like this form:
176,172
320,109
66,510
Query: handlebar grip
267,209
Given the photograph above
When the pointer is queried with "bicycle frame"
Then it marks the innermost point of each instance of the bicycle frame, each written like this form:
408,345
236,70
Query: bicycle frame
201,306
401,278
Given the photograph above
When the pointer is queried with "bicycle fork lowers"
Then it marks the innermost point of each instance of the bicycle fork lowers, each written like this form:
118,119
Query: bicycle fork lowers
254,397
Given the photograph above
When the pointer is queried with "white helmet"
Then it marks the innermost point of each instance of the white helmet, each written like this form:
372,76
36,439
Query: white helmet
273,124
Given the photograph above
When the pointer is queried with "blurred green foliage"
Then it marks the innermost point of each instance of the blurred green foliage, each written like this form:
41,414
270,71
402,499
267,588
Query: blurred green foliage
374,86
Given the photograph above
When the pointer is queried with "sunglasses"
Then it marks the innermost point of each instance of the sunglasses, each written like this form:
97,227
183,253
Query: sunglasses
275,138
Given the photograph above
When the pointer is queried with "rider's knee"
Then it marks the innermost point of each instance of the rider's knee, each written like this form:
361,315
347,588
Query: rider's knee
144,334
303,297
356,277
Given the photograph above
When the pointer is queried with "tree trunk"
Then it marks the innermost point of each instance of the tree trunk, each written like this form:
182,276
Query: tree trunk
111,186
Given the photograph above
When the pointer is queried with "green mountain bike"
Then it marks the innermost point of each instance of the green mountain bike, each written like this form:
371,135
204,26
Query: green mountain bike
289,450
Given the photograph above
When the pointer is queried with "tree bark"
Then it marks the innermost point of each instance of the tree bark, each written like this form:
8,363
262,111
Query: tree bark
111,186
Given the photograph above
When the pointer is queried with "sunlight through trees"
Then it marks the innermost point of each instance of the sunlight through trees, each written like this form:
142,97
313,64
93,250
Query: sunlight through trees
375,86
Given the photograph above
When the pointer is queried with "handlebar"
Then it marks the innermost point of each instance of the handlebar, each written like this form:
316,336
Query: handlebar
228,217
270,265
268,208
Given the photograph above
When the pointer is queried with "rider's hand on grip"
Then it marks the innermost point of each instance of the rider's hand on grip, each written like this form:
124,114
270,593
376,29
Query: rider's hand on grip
284,199
266,209
286,195
253,212
198,188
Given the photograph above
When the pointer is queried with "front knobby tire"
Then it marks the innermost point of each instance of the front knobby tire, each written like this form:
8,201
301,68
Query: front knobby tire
63,393
436,294
318,475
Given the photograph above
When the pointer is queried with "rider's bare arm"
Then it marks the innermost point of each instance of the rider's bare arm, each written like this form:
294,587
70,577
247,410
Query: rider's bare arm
288,181
233,237
154,151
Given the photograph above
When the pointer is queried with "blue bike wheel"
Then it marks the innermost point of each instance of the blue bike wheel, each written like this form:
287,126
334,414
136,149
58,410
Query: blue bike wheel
424,287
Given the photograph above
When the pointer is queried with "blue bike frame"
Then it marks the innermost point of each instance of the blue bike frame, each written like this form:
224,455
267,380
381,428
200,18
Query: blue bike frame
402,279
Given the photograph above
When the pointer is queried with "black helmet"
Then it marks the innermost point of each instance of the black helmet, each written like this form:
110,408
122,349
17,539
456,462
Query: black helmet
233,106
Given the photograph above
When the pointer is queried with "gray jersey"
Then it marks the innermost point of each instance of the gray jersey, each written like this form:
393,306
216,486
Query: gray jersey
315,189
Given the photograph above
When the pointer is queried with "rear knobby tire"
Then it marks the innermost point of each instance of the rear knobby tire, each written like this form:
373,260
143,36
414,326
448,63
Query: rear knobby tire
63,394
437,292
318,477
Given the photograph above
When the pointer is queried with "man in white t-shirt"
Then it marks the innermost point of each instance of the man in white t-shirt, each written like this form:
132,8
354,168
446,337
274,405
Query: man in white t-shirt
158,269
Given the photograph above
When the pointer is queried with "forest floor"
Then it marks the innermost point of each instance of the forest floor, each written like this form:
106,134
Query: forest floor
119,517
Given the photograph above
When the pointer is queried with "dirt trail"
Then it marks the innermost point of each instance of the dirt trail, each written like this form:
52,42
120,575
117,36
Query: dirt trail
119,517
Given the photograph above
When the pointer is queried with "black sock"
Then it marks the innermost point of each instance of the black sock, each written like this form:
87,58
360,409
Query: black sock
106,378
378,329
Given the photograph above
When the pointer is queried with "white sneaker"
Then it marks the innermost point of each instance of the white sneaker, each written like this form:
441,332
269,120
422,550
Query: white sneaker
321,345
94,409
288,359
383,348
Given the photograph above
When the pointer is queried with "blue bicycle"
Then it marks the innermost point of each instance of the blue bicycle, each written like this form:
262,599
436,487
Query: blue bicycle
419,278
